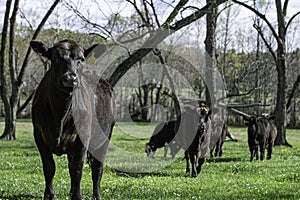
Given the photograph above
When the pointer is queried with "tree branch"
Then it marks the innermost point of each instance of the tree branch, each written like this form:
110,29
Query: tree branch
25,104
293,91
12,69
258,29
154,13
260,15
174,13
155,38
236,105
285,5
238,95
290,21
37,31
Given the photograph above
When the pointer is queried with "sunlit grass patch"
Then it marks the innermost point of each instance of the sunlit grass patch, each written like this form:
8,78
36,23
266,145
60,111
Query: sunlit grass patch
129,174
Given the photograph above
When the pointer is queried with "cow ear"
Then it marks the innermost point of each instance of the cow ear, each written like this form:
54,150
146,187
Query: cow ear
94,52
40,48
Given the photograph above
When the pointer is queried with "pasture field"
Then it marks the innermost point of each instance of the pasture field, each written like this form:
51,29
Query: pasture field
130,175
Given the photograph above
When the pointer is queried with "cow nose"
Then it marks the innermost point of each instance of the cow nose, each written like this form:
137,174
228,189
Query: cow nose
69,79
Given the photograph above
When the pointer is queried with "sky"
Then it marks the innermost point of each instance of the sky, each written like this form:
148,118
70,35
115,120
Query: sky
100,10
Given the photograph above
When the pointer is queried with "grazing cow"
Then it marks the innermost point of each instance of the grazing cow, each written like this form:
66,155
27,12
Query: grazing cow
194,132
163,136
220,132
56,129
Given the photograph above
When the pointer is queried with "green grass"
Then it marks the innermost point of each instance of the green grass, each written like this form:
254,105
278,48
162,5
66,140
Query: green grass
229,177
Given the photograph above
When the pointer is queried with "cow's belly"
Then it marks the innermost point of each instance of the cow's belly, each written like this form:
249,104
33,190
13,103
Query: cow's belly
66,143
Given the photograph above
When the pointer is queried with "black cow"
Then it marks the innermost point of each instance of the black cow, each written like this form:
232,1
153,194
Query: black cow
194,132
260,134
163,136
57,130
220,132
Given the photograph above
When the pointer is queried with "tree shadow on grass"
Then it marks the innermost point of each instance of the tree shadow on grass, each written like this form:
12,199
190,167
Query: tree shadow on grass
19,196
217,160
140,175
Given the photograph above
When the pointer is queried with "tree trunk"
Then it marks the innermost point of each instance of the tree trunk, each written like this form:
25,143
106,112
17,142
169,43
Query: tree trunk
280,109
210,42
10,123
10,93
10,117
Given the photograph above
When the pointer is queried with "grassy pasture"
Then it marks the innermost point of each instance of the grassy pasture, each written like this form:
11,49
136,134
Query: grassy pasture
229,177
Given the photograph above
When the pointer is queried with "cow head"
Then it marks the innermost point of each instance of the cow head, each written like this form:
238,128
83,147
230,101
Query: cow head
268,116
251,122
150,149
204,116
66,57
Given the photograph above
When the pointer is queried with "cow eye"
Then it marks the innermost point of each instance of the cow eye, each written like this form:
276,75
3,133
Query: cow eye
80,60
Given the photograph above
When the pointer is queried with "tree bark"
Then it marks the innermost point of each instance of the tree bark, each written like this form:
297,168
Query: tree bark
280,109
10,117
210,57
11,95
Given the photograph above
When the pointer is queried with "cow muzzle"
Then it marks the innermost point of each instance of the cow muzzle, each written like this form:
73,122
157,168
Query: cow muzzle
70,79
149,151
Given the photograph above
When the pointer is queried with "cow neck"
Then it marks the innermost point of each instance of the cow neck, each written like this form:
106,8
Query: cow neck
62,107
60,98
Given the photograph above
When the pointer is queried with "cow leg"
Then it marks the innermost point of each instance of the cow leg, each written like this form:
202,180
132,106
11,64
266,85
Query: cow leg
270,147
218,144
187,160
200,163
211,152
166,146
48,165
217,151
256,152
220,151
262,151
252,153
97,171
76,159
49,171
193,160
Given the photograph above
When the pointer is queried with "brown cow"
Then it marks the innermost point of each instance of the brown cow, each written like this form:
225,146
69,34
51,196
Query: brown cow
194,132
58,119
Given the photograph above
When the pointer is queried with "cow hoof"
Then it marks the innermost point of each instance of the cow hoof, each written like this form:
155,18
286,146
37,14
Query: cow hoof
96,197
187,174
194,175
48,196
